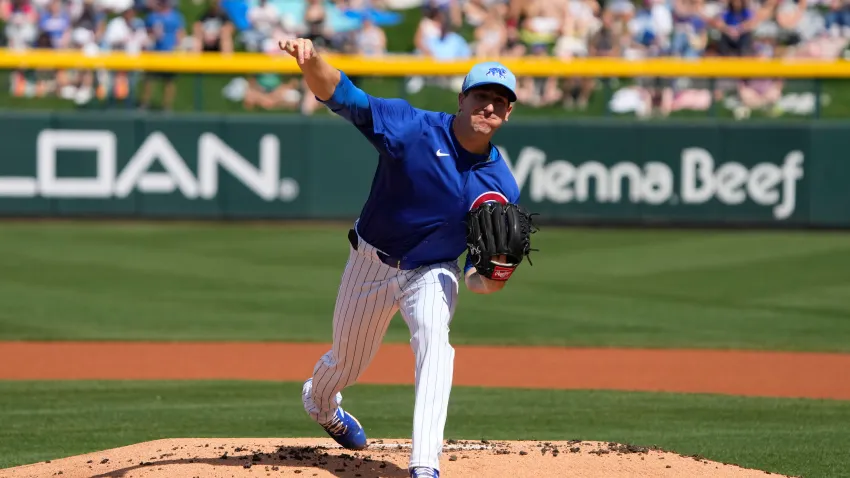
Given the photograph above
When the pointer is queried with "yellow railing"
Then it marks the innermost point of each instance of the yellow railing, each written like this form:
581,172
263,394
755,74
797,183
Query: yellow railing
406,65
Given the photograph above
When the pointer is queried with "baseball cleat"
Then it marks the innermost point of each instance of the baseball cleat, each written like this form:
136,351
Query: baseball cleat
343,427
424,472
346,430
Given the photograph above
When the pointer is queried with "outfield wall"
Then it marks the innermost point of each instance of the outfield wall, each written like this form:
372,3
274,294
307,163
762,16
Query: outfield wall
264,166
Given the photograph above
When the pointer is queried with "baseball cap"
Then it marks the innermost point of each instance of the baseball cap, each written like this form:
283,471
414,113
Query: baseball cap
490,73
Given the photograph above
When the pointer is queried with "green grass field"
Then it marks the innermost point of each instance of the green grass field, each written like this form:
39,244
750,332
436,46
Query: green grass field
797,437
630,288
659,288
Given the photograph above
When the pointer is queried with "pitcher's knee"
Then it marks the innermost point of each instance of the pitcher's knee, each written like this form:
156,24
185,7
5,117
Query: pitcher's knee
427,337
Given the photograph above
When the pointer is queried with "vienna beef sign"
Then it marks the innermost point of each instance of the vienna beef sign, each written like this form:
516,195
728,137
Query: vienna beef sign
110,182
695,180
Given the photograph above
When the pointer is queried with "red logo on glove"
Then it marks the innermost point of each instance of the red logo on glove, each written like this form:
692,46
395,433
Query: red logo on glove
502,273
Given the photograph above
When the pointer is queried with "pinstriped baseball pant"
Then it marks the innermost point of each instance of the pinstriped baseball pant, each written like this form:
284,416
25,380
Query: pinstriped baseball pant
369,295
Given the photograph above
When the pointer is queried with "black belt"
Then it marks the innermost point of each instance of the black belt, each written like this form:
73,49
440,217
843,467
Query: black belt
393,262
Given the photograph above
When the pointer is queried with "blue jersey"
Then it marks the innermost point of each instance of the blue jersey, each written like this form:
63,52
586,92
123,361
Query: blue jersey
171,22
425,182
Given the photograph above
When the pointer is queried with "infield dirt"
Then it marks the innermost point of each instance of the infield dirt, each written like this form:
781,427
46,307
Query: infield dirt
756,373
260,457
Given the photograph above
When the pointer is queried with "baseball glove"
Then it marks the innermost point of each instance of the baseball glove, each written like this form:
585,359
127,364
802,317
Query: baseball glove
494,229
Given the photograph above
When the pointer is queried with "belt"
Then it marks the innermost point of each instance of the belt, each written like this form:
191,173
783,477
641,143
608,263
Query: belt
393,262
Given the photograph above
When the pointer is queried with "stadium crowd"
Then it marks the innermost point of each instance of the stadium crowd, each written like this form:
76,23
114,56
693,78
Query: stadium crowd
447,29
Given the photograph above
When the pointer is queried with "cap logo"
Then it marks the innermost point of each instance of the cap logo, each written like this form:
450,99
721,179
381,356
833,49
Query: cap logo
497,71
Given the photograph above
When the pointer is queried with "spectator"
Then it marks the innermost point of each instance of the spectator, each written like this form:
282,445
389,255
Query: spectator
539,29
167,28
759,93
542,23
690,31
87,29
796,22
838,18
269,92
55,33
620,11
660,99
514,47
29,83
650,28
491,36
605,42
21,20
88,26
429,28
56,24
126,33
516,12
315,19
264,20
449,45
213,31
451,10
680,96
579,20
370,39
476,12
145,7
736,24
538,91
805,28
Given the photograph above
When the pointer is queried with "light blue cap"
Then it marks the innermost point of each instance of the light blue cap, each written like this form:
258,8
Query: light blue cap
490,73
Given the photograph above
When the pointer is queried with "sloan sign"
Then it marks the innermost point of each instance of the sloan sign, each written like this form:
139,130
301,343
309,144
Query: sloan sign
111,182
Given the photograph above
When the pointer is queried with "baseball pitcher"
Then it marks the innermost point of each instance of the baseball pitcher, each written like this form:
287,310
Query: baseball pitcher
440,189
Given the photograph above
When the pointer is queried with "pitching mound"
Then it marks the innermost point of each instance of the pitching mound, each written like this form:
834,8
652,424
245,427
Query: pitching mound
260,457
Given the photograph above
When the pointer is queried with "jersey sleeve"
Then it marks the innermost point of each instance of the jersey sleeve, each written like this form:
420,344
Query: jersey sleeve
513,194
383,121
467,265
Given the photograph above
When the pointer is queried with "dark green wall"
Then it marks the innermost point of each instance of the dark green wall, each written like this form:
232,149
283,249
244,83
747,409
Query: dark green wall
605,171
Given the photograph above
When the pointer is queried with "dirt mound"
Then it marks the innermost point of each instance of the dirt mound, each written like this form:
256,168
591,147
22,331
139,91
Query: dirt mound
260,457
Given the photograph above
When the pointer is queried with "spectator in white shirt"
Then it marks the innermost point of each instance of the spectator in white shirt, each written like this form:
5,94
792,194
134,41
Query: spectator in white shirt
125,33
21,19
429,28
265,20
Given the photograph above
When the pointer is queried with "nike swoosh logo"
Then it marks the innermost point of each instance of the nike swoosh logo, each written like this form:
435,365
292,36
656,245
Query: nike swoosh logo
441,153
